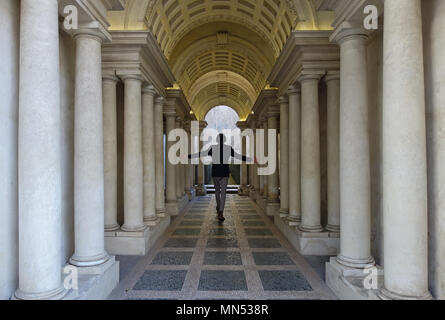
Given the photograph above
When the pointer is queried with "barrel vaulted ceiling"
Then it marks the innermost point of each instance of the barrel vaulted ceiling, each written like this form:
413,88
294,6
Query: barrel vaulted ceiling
220,51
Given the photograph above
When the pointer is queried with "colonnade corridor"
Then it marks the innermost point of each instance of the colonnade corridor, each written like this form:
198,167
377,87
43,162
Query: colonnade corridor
198,257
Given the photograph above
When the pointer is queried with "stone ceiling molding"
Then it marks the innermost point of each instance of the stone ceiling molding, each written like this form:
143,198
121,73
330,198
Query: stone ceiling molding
137,52
222,76
305,52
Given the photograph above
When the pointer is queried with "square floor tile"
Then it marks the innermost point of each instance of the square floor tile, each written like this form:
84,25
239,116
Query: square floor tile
272,259
173,258
220,224
222,243
257,232
191,223
222,281
254,223
250,217
222,232
223,258
284,281
194,217
187,232
161,280
181,243
264,243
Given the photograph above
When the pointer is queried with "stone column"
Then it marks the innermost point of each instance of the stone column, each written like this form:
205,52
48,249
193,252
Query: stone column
256,177
405,212
355,184
89,206
187,171
171,200
272,179
179,170
149,148
201,189
294,154
333,150
310,154
110,151
243,189
39,167
284,155
133,156
159,156
266,151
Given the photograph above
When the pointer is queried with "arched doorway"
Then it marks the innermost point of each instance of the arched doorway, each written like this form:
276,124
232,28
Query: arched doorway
223,119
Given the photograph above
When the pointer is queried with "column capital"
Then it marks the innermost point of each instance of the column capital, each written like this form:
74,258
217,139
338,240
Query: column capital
313,76
93,30
273,111
332,75
131,77
347,31
202,125
159,100
242,125
283,100
293,90
109,78
149,90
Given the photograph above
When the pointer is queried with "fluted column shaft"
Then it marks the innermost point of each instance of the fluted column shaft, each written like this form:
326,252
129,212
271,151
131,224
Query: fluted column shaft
256,177
179,171
110,152
284,155
89,206
310,155
159,156
355,184
405,199
39,167
201,189
266,152
333,150
133,156
149,148
294,154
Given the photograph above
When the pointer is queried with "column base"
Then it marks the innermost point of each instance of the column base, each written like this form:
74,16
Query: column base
262,203
309,243
293,221
243,191
356,263
385,294
172,208
56,294
136,243
272,208
96,283
113,227
191,194
284,213
161,212
133,229
201,191
151,222
89,261
310,229
333,228
349,283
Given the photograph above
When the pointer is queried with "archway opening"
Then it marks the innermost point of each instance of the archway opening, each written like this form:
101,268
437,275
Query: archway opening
224,120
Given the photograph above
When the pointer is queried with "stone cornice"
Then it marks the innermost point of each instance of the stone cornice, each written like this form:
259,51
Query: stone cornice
138,51
182,106
305,52
265,99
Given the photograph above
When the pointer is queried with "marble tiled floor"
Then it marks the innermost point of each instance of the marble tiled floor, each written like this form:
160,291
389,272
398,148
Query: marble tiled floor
246,257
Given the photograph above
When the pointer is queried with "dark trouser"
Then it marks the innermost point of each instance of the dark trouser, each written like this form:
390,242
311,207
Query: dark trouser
220,192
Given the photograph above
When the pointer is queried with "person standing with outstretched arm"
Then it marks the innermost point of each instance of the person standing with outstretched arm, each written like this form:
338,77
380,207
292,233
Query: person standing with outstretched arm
221,154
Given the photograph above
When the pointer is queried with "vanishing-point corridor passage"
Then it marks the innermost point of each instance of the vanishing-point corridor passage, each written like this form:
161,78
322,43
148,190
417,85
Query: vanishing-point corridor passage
246,257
